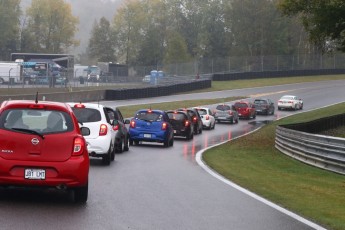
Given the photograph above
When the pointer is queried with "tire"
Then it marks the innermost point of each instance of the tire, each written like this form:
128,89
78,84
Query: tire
279,108
112,157
166,143
126,145
81,194
106,159
171,142
200,130
218,121
120,147
190,136
136,142
2,81
130,142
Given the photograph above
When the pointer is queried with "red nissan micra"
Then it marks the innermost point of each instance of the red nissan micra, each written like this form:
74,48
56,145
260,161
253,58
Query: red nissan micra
41,145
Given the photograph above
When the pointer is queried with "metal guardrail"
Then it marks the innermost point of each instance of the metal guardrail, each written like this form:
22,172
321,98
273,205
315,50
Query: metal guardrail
318,150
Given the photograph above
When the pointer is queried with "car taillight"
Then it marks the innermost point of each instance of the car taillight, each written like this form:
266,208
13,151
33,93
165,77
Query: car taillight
280,101
116,127
103,130
164,126
195,119
290,102
78,146
230,112
132,124
186,123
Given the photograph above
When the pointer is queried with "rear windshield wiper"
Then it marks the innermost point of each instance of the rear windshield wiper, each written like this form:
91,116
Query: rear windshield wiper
29,131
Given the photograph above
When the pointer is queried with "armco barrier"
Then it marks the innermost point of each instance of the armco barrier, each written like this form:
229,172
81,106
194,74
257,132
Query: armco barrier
274,74
318,150
155,91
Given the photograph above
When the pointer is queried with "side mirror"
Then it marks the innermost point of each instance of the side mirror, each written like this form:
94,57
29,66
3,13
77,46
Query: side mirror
85,131
127,121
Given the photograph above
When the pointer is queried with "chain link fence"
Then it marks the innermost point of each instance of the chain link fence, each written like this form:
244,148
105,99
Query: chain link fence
203,68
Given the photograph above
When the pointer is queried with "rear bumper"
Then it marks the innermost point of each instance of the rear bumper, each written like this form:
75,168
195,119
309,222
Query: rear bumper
148,136
71,173
227,118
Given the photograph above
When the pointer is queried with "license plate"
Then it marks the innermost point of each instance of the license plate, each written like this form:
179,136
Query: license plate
147,135
175,131
35,174
223,118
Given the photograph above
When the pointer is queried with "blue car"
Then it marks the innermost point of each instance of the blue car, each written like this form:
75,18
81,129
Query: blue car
151,126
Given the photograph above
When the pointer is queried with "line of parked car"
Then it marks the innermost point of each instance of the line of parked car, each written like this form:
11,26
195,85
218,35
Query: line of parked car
48,144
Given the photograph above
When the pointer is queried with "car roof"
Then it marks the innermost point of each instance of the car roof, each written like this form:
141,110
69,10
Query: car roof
201,108
242,102
25,103
87,105
153,110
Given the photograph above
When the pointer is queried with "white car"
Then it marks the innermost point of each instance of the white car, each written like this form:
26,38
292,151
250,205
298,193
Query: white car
147,79
102,139
290,102
208,121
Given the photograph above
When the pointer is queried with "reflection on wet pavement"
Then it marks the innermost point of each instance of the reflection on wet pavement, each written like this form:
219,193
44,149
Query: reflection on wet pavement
191,148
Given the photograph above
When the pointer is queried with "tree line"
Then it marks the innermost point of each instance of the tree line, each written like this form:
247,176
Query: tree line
152,32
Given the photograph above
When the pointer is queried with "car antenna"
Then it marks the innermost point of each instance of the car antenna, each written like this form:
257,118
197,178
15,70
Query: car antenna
36,100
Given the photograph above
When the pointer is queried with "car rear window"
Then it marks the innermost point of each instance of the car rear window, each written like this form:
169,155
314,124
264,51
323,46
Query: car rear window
177,116
149,116
42,121
223,107
202,111
85,115
241,105
258,102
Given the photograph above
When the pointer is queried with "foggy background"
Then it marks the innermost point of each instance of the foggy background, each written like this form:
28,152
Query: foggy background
87,11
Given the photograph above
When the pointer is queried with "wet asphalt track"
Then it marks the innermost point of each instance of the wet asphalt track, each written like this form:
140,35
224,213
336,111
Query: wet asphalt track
151,187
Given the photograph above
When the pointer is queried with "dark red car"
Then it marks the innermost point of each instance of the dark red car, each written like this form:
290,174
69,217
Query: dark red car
41,145
245,109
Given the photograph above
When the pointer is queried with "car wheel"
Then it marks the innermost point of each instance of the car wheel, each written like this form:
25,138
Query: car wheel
130,142
136,142
81,194
200,130
107,157
120,147
296,107
112,157
126,147
172,142
191,136
214,125
218,121
301,106
279,108
166,143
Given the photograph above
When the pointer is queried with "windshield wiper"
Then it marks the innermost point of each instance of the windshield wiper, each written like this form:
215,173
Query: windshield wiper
29,131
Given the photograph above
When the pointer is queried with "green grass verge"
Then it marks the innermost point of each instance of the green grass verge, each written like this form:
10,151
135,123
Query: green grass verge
253,162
